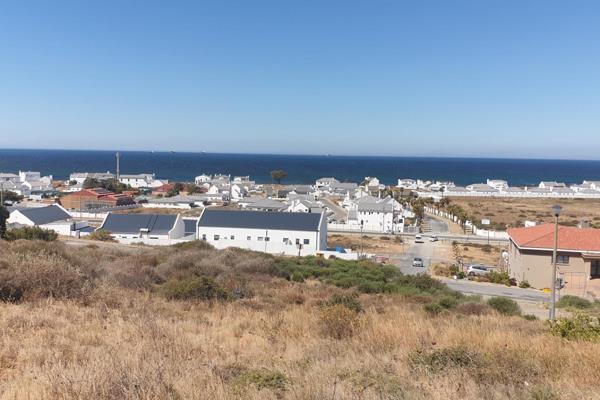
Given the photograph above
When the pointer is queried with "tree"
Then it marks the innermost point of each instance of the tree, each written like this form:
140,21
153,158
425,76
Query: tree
91,183
278,175
8,195
3,217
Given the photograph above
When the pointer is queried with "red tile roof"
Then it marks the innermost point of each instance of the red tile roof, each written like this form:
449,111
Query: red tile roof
569,238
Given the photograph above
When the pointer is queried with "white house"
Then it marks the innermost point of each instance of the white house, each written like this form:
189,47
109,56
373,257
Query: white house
551,185
376,215
153,229
52,217
200,179
325,182
80,177
497,184
406,183
142,181
270,232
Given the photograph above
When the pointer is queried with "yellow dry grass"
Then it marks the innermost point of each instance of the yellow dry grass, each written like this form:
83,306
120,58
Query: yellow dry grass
122,343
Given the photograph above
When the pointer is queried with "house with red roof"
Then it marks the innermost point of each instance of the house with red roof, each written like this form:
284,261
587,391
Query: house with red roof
578,257
87,199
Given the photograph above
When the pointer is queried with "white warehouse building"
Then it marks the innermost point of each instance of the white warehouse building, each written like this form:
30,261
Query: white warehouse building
271,232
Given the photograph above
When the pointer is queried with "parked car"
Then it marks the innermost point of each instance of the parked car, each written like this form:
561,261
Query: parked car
434,238
417,262
418,239
477,269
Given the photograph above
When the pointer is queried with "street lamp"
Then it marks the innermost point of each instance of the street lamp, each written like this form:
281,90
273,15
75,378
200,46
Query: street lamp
556,209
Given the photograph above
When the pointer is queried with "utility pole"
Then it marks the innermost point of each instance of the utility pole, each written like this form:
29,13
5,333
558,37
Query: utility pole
556,210
118,165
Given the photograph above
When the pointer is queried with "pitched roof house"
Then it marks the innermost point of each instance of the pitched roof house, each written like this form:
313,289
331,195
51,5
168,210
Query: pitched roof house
155,229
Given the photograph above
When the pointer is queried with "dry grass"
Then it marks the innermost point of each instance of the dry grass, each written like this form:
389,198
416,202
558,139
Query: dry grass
375,244
127,341
513,212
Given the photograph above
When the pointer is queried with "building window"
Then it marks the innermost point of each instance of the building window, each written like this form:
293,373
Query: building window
232,237
260,238
595,269
562,259
286,240
204,237
248,237
306,241
297,241
216,237
267,239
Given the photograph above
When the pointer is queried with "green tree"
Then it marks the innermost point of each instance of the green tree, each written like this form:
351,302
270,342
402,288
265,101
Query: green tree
278,175
91,183
3,217
9,195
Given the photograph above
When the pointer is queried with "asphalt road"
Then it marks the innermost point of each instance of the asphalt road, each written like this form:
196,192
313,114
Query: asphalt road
340,213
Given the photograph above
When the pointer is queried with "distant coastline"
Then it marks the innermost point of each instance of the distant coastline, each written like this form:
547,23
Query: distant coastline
184,166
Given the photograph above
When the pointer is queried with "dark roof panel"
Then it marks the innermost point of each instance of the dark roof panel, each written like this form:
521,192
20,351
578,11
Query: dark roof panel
133,223
260,220
190,226
45,215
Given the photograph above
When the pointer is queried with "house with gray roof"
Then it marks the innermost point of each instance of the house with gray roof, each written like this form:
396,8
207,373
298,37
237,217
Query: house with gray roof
286,233
153,229
51,217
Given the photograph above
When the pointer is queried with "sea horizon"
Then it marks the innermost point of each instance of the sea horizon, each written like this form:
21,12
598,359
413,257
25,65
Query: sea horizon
301,168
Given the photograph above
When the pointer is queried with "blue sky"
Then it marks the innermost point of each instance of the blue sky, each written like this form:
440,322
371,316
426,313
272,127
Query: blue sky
448,78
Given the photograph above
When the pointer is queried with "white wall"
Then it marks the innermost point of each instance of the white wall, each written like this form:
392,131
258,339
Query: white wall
274,245
375,221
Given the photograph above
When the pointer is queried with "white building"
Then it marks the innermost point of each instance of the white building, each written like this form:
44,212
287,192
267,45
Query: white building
325,182
372,214
270,232
52,217
497,184
152,229
551,185
142,181
34,181
80,177
200,179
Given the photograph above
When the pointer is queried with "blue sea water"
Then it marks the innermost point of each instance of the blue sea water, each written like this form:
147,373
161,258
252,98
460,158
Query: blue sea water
300,168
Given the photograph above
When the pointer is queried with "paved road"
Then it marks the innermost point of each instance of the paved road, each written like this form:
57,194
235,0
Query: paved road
436,225
425,251
340,212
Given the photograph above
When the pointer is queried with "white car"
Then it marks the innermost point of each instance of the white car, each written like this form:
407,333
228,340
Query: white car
417,262
434,238
477,269
418,239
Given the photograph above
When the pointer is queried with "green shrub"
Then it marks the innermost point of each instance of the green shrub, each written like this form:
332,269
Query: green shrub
461,275
448,302
101,235
433,308
504,306
348,300
530,317
297,277
499,277
262,379
569,301
31,233
581,326
440,360
201,288
524,285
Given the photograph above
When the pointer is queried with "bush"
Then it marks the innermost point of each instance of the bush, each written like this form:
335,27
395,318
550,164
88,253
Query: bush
530,317
499,277
262,379
101,235
338,321
504,306
448,302
472,308
348,300
297,277
31,233
433,308
524,285
201,288
581,326
569,301
461,275
441,360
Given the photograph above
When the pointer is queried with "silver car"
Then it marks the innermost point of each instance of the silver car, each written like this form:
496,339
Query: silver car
477,269
417,262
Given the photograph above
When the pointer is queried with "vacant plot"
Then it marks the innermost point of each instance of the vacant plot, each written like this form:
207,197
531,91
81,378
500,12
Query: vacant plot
190,322
514,212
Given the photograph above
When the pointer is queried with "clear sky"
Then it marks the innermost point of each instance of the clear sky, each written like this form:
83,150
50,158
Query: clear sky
447,78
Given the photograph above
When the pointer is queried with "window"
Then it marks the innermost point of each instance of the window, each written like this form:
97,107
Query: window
306,241
204,237
248,237
267,239
595,269
562,259
285,240
260,238
297,241
216,237
232,237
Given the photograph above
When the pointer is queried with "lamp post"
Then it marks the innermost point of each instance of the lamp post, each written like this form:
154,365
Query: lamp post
556,209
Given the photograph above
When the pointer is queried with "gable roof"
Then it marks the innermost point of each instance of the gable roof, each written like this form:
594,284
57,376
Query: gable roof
569,238
190,226
157,224
260,220
45,215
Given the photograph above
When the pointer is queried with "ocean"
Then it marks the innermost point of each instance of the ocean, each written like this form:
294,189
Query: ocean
300,168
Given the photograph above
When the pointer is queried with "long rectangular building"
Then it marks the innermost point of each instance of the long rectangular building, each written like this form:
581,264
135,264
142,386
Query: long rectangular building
271,232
